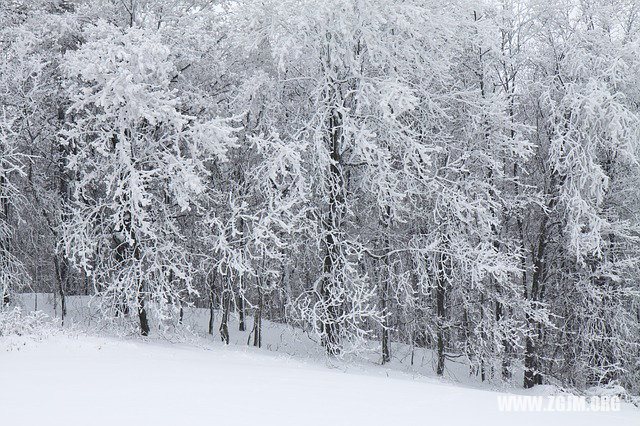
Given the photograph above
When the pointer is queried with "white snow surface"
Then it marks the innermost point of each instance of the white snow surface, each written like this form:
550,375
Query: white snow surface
72,377
85,380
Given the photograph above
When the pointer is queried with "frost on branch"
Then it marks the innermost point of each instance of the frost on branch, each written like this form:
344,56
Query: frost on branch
140,167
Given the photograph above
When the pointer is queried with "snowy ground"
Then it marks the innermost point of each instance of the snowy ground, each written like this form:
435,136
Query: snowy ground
101,381
74,378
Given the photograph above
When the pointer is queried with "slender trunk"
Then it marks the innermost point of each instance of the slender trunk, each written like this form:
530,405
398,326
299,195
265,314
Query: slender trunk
212,292
384,291
240,302
211,314
440,312
385,275
332,260
226,302
330,328
4,199
142,312
142,315
529,363
4,244
211,305
65,176
506,360
240,299
61,266
386,352
530,356
257,322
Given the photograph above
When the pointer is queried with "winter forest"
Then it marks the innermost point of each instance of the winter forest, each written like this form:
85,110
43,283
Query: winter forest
458,176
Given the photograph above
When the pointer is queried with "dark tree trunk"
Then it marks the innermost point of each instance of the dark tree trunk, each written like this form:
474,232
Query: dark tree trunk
212,292
224,323
63,301
440,312
241,326
61,266
531,367
332,261
63,176
142,315
257,322
529,364
142,312
240,298
62,263
530,356
331,328
532,375
384,289
4,244
506,363
211,314
386,352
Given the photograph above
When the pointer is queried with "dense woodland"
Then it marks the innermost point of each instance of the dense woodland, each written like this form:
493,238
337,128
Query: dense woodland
451,174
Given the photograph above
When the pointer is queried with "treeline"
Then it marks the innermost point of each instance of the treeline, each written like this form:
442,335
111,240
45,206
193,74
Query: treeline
457,175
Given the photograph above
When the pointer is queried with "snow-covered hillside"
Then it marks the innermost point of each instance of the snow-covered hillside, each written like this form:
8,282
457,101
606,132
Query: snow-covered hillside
276,337
73,377
83,380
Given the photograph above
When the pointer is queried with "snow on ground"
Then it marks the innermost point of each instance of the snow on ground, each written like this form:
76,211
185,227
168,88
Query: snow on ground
96,381
276,337
74,378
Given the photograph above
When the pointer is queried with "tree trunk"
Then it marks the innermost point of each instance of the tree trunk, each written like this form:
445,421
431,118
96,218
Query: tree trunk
532,375
440,312
224,323
384,288
212,286
257,322
529,363
142,315
241,321
506,360
530,356
211,315
384,292
330,328
4,244
332,261
62,267
386,352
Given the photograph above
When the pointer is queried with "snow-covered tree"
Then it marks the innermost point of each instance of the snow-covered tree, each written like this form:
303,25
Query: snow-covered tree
583,237
139,165
12,271
457,176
